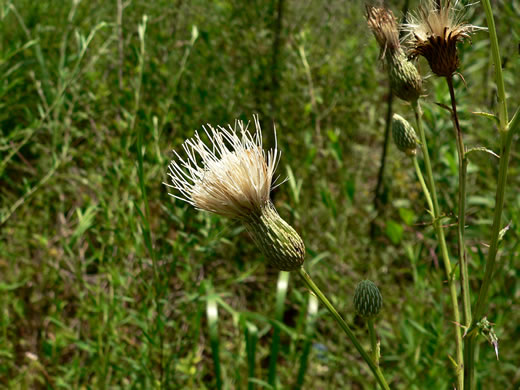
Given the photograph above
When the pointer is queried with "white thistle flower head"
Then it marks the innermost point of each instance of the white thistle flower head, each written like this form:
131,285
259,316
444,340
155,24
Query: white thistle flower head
434,31
231,176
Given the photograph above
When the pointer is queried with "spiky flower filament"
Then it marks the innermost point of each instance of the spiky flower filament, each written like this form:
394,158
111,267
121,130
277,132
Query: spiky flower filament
232,177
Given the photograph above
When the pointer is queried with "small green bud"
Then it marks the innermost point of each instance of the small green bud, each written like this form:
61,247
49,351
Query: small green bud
367,299
404,135
405,80
278,241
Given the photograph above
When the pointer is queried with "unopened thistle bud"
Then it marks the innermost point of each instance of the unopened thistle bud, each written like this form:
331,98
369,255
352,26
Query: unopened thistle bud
404,135
405,80
233,177
434,31
367,299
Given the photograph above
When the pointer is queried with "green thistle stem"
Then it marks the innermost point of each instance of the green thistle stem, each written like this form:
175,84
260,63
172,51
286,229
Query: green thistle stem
442,244
506,130
423,184
463,167
373,340
371,363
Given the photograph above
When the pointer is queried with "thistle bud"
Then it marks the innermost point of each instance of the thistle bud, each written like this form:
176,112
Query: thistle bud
279,242
405,80
367,299
404,135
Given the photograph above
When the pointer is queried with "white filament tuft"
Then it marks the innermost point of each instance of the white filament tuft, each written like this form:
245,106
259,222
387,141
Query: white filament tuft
231,175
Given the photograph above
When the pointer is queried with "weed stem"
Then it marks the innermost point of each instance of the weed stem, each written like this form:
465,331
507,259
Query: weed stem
463,168
442,244
506,137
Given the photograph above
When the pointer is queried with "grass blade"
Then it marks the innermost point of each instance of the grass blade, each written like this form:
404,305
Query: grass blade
281,292
310,322
212,313
251,333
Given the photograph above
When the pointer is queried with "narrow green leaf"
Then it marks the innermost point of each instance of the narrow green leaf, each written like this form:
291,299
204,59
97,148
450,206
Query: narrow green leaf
251,333
212,314
312,311
482,149
486,115
281,292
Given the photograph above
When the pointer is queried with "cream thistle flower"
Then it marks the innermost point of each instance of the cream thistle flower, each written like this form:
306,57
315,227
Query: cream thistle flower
433,32
405,80
233,176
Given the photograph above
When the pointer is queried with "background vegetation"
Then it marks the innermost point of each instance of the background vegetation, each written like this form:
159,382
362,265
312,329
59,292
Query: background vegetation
106,281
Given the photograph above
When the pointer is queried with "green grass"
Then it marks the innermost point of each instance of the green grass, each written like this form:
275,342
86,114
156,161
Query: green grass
105,280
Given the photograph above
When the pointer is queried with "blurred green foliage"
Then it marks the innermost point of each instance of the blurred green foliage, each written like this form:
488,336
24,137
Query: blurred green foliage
105,280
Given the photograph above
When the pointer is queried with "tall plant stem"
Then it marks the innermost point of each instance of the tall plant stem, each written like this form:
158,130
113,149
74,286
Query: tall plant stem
379,191
506,131
371,363
442,244
463,167
423,184
373,340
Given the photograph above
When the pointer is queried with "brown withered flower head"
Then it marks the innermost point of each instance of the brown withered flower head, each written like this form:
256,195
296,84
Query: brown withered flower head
405,80
434,31
384,26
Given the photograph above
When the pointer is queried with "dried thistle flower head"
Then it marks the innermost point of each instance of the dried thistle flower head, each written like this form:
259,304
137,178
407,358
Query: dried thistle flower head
233,177
434,31
404,135
405,80
383,24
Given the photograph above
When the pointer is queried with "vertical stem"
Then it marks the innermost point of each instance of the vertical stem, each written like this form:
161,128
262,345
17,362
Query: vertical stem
506,137
120,45
373,340
373,367
277,43
423,184
380,175
495,52
463,165
442,244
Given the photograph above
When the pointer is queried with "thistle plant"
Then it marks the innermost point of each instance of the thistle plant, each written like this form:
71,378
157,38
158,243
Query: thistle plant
368,302
233,177
404,77
434,32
